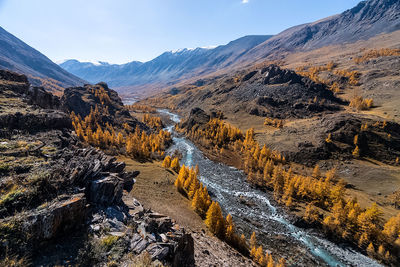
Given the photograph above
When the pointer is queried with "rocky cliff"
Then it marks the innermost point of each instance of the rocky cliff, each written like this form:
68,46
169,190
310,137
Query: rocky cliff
62,201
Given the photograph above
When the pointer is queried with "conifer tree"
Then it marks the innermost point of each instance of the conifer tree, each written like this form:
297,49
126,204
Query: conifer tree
316,172
175,164
253,252
167,162
197,202
214,219
271,262
370,249
259,254
253,240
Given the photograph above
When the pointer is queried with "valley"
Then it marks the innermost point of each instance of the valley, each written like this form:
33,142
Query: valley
268,150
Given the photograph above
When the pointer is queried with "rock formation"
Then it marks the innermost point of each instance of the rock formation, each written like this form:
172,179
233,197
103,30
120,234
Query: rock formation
53,185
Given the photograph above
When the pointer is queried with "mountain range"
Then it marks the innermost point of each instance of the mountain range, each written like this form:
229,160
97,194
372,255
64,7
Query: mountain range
168,66
366,20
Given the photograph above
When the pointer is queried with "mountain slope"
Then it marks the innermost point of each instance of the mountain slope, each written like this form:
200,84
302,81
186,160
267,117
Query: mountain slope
17,56
366,20
166,67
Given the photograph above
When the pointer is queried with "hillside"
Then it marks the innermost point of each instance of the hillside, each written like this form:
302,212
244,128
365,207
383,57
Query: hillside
17,56
367,19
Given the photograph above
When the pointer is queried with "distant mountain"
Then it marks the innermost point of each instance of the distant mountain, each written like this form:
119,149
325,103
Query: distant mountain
17,56
366,20
166,67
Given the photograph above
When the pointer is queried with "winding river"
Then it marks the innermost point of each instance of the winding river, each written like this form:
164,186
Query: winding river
252,210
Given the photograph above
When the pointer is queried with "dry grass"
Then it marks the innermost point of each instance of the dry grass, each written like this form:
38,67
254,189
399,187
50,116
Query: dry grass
155,189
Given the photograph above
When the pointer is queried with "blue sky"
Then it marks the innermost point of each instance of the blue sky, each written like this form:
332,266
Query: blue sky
119,31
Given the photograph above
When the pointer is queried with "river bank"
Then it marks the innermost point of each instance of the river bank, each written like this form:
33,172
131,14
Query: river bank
254,210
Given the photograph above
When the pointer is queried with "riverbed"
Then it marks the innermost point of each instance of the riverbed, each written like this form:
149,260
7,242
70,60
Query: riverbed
254,210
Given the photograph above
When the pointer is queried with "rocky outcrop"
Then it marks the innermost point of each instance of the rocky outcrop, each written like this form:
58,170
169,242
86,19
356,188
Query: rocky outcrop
379,140
12,76
31,122
15,82
63,214
40,97
268,92
82,100
197,117
106,191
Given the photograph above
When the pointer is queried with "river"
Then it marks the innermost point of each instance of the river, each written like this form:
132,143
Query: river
252,210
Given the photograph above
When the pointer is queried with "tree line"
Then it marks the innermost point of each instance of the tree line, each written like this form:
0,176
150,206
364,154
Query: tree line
135,143
344,218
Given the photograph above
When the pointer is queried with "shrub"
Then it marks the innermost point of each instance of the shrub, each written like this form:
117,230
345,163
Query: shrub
360,103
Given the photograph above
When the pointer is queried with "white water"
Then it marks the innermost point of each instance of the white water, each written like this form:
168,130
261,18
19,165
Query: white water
228,185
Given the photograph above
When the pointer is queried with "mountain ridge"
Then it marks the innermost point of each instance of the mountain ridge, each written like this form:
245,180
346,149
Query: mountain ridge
364,21
16,55
168,65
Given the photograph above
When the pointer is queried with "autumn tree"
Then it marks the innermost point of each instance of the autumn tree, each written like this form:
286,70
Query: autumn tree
167,162
175,164
214,219
356,152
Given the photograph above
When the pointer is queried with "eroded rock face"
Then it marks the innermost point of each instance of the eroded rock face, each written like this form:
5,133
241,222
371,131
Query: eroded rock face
12,76
39,96
81,100
197,117
51,120
60,216
106,191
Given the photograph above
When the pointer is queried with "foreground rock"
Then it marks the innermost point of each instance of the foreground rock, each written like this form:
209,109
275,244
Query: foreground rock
61,201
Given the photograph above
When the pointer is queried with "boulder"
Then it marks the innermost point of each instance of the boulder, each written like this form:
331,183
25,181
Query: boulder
40,97
158,252
60,216
184,252
106,191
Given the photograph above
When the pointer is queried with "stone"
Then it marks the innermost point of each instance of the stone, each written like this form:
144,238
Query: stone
139,245
184,252
158,252
56,218
112,213
119,234
116,225
106,191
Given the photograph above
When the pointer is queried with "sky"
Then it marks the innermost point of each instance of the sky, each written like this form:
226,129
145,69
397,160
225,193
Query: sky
120,31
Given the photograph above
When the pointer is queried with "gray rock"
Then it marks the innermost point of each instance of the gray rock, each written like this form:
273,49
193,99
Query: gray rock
158,252
59,216
112,212
184,252
139,246
106,191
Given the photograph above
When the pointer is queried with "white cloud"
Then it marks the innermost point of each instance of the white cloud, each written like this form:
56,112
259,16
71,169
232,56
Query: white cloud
245,1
